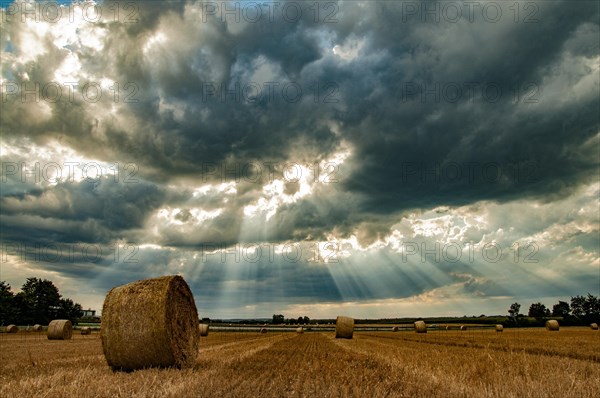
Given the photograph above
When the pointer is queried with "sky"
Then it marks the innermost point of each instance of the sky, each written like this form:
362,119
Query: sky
366,158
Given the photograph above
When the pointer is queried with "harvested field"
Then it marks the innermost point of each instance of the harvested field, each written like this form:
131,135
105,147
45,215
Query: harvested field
515,363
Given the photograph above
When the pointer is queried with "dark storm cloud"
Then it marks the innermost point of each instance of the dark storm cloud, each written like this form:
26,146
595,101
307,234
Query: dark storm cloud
409,149
95,212
526,149
376,81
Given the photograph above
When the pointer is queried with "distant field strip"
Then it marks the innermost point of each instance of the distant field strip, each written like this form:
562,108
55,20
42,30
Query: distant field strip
577,344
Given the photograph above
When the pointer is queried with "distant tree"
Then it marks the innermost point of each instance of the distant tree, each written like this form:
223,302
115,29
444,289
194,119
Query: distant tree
538,310
586,308
562,309
42,301
278,319
69,310
306,320
7,311
514,309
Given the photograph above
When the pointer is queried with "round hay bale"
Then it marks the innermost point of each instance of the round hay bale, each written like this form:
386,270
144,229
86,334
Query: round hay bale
344,327
552,325
37,328
150,323
203,330
86,330
12,329
499,328
395,329
60,329
420,327
594,326
300,330
463,327
263,330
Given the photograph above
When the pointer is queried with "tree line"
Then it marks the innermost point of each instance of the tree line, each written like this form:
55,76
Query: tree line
582,310
38,302
279,319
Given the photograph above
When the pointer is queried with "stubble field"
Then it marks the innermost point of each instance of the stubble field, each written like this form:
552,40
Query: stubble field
477,363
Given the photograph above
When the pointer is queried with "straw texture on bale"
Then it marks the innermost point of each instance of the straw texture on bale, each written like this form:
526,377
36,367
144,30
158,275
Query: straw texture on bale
299,330
203,330
263,330
12,329
86,330
60,329
420,327
499,328
463,327
37,328
594,326
552,325
395,329
150,323
344,327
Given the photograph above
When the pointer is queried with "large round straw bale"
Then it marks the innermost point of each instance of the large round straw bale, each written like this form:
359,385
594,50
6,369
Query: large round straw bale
37,328
263,330
150,323
395,329
203,330
60,329
594,326
299,330
344,327
552,325
499,328
86,330
463,327
420,327
12,329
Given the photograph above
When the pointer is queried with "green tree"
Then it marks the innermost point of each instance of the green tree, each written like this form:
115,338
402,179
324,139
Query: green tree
7,310
538,310
69,310
586,308
514,309
42,301
278,319
561,309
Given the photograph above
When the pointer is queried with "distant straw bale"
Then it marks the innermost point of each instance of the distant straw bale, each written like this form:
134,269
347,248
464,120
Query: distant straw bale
344,327
420,327
552,325
60,329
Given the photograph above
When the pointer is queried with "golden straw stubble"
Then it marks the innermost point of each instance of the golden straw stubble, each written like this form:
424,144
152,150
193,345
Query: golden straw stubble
344,327
150,323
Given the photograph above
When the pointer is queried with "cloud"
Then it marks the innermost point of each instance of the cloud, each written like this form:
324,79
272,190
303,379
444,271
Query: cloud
368,133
